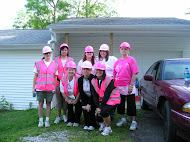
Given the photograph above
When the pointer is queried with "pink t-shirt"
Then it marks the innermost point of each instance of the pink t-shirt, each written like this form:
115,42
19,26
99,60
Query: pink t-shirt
124,69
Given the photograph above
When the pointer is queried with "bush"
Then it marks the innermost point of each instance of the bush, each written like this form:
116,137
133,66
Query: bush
4,105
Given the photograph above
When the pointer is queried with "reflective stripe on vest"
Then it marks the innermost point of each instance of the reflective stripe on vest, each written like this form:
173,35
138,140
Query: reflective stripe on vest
62,69
64,83
114,96
46,77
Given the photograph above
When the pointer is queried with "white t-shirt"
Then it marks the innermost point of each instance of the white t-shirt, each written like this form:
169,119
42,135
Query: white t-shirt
70,88
79,68
86,87
63,61
110,65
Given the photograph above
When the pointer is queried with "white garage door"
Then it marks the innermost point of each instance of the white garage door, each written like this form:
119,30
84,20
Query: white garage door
146,58
16,77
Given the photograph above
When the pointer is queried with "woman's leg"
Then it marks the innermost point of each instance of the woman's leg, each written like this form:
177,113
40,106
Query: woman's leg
40,109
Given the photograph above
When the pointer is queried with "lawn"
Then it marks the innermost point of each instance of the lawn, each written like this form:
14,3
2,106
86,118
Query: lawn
15,125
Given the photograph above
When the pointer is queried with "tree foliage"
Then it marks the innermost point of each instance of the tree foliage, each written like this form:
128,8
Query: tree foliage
93,8
40,13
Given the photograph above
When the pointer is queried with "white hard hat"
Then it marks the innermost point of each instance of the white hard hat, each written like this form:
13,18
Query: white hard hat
46,49
86,64
104,47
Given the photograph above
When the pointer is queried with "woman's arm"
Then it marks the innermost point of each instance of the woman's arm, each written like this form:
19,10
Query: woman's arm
66,98
133,79
107,93
34,82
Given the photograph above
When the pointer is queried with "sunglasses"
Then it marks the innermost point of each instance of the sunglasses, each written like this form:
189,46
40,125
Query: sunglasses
47,53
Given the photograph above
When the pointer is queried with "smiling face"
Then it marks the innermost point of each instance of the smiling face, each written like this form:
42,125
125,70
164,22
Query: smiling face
86,72
103,53
64,52
71,72
47,56
99,73
124,50
89,54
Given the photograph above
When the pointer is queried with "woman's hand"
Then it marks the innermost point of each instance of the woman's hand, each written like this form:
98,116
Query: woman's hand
84,107
88,107
98,111
74,102
130,89
69,101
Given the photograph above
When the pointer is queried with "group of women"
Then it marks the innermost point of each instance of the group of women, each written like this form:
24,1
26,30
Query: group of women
96,87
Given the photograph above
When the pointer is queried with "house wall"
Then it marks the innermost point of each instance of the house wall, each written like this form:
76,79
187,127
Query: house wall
16,75
146,47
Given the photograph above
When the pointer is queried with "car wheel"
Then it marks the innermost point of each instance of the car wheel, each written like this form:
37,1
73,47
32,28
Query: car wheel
169,130
143,103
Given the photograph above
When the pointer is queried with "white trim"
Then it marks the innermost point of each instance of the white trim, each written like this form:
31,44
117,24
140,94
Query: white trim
181,114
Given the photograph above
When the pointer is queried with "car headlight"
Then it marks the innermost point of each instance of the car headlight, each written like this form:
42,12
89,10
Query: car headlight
186,107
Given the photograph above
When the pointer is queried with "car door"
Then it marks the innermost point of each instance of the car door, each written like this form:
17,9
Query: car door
151,85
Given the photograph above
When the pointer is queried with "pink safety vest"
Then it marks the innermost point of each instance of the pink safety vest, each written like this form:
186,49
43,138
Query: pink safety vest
62,70
46,76
114,96
64,82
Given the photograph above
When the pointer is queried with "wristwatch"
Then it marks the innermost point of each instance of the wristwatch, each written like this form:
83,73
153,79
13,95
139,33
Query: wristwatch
131,86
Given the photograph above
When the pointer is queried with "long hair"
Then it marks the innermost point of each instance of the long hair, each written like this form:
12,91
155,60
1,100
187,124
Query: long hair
62,49
103,76
92,60
107,56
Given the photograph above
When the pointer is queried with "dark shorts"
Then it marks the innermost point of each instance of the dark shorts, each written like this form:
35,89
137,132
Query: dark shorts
131,105
41,95
107,110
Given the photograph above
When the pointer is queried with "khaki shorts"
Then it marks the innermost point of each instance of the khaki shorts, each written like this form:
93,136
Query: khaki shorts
41,95
60,101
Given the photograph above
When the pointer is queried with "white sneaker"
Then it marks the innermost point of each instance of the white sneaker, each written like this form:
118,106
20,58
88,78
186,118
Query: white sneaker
85,128
102,126
65,118
70,124
75,124
57,120
133,126
106,131
40,124
121,122
91,128
47,124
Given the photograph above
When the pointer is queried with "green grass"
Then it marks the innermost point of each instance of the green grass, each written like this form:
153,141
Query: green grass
17,124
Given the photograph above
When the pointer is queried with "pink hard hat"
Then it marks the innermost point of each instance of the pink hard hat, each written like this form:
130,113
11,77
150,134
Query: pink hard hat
104,47
64,45
71,64
46,49
86,64
89,49
100,65
125,44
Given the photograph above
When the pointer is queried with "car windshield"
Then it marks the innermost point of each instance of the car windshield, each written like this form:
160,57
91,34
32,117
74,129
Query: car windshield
174,69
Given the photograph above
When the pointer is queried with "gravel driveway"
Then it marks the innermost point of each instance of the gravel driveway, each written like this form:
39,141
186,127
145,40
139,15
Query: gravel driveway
150,128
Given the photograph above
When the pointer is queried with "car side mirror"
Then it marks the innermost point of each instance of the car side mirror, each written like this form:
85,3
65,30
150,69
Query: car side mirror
148,77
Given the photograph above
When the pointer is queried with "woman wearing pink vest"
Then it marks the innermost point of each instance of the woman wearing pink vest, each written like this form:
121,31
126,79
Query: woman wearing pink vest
106,96
45,79
70,92
88,56
125,71
61,60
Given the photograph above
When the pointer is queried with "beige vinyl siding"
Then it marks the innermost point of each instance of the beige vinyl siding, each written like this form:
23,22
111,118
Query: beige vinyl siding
16,75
